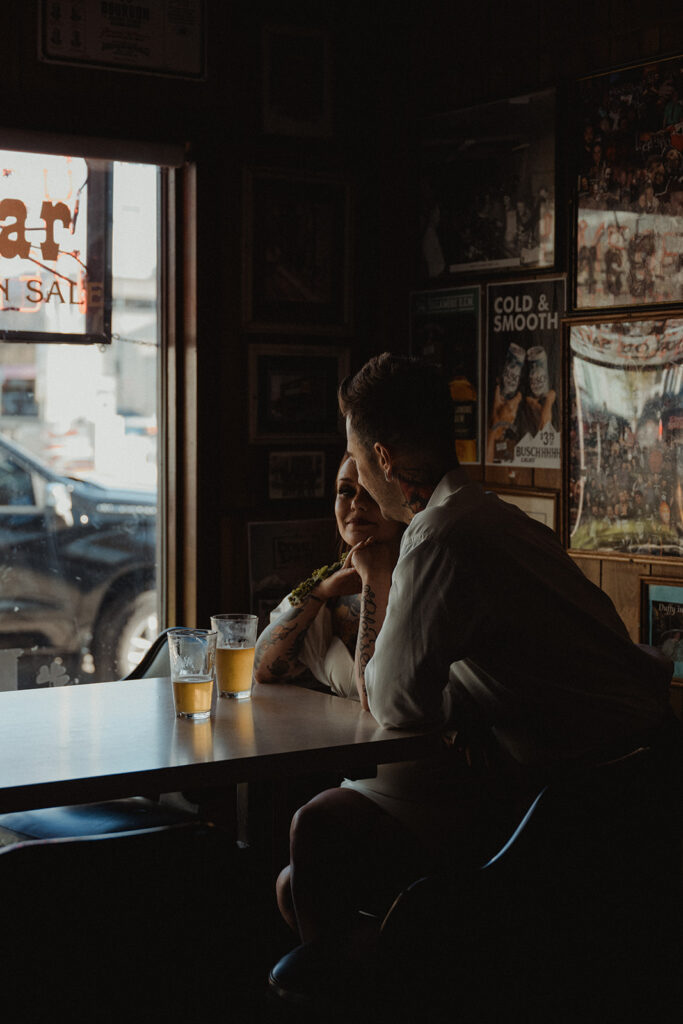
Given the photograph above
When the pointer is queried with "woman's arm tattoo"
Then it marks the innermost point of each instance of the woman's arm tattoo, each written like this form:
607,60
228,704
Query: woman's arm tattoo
345,618
286,660
367,633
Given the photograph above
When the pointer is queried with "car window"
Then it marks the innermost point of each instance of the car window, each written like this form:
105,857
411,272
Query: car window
16,485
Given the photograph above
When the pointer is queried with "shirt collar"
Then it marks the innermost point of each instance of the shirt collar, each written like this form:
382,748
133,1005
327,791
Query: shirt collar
452,481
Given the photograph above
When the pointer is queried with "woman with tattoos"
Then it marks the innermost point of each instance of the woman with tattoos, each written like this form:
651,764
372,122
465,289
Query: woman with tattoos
315,627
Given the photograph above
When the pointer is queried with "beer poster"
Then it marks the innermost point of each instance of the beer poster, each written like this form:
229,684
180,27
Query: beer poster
524,373
445,331
626,437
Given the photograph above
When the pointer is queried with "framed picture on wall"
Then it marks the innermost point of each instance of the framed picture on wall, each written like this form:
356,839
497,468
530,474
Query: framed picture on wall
661,619
626,437
539,505
297,253
293,392
444,329
487,188
283,554
296,475
297,94
628,231
524,373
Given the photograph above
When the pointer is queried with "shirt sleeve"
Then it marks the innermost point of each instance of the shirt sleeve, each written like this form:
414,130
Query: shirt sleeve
431,617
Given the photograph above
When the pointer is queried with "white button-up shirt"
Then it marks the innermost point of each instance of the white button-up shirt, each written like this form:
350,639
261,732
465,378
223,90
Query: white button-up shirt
487,609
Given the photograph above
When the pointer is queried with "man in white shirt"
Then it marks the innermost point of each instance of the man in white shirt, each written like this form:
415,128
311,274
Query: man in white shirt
485,630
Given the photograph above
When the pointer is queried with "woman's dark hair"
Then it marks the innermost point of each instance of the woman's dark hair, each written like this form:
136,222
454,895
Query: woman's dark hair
400,401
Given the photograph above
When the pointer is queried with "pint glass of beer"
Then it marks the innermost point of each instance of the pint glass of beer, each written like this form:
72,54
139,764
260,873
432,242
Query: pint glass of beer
192,654
235,653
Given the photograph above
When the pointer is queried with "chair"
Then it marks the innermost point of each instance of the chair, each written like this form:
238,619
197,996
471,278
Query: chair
111,816
133,926
578,917
155,661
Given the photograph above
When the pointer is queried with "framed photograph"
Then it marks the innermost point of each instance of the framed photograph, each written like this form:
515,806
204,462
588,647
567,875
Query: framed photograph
297,253
282,554
293,392
154,38
661,619
296,475
444,329
487,188
540,505
626,437
297,94
628,232
524,373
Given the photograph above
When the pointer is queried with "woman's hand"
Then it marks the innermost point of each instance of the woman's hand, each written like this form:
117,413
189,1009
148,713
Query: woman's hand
372,559
341,583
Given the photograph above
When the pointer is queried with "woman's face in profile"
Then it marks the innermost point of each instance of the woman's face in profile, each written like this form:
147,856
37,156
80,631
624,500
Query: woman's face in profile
358,515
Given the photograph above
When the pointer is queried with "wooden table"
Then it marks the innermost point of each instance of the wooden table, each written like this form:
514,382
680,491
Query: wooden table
80,744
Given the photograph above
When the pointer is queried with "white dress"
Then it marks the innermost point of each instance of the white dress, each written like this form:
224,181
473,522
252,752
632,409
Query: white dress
399,788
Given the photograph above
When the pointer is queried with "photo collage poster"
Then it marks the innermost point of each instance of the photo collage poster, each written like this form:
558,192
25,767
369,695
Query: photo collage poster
445,331
629,226
626,437
487,187
524,373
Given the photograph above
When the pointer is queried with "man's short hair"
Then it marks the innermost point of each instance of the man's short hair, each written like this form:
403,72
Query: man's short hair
400,401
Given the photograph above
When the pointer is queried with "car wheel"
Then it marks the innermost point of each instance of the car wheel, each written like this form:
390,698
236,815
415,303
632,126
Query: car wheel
128,627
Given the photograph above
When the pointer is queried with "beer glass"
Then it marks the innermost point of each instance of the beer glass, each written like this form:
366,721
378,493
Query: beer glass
192,654
234,653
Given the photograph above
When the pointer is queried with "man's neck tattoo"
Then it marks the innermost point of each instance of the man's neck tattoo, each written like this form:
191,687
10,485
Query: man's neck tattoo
416,493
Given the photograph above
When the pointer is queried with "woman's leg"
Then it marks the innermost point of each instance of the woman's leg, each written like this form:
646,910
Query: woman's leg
346,854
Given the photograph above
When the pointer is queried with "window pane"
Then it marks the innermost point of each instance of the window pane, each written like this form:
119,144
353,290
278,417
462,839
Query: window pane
78,474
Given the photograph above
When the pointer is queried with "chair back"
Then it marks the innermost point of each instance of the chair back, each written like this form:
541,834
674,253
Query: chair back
156,660
590,881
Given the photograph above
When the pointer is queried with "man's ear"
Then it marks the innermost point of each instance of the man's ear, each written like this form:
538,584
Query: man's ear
384,460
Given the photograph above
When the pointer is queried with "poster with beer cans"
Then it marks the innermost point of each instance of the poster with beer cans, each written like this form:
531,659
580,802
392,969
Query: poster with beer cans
445,331
523,417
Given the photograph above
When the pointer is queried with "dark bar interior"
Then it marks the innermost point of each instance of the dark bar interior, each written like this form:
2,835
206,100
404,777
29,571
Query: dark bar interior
251,200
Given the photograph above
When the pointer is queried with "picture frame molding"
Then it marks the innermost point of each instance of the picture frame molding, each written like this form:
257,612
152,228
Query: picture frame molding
657,308
276,122
257,415
312,456
336,316
454,274
603,553
442,296
645,583
546,496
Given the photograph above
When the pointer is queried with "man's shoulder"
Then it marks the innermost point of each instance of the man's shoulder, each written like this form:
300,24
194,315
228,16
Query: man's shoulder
458,514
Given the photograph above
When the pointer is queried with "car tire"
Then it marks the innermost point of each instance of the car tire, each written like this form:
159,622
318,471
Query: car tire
128,627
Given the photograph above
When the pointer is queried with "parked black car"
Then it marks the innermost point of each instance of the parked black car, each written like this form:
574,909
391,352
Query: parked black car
77,573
